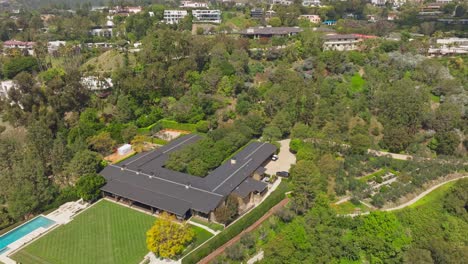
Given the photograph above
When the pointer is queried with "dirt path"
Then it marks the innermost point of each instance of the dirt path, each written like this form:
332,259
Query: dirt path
255,225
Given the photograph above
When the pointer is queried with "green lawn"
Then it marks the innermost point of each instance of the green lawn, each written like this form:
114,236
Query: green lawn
105,233
434,196
213,226
349,208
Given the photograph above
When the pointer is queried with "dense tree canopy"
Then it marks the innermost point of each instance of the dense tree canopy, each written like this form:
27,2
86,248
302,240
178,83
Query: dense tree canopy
167,238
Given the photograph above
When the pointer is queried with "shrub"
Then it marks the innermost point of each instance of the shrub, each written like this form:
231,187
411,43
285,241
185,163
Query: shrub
235,252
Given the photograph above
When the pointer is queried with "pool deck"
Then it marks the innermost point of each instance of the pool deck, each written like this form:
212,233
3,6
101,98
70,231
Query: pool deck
63,215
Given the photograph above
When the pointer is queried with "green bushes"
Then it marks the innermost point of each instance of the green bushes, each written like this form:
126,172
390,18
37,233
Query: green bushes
237,227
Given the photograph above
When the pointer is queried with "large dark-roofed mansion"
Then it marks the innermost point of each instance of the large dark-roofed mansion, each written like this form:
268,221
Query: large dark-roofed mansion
142,180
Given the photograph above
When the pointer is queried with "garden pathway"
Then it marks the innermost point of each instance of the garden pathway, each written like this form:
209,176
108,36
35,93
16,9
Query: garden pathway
415,199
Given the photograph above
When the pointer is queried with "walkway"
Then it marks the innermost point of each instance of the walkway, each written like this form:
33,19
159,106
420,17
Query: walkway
415,199
235,239
214,232
392,155
421,195
256,258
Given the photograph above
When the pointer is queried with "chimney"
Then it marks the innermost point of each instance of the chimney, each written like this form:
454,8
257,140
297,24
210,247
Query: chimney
233,161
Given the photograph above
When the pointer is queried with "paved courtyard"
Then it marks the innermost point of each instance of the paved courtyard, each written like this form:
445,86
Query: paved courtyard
285,160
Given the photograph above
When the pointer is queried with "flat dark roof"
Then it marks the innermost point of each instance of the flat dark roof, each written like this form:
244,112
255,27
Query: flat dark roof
143,178
270,30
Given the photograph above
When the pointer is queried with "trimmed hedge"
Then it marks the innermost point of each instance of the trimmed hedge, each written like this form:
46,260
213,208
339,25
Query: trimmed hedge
168,124
237,227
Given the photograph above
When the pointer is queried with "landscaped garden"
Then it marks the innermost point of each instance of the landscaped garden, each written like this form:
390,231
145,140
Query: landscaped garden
105,233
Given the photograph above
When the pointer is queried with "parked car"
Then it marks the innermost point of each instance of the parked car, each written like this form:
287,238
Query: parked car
274,157
283,174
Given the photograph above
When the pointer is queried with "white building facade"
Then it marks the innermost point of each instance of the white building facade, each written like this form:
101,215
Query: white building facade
191,4
207,16
174,16
311,2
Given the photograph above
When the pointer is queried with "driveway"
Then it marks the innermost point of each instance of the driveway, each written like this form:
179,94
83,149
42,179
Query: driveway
285,159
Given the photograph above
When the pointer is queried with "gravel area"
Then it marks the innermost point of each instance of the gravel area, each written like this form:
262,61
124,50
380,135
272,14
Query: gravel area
285,159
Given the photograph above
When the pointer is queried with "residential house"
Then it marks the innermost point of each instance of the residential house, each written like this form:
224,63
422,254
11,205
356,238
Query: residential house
125,10
174,16
256,13
53,46
105,31
310,3
449,46
206,16
268,32
312,18
21,45
94,83
282,2
191,4
344,42
143,181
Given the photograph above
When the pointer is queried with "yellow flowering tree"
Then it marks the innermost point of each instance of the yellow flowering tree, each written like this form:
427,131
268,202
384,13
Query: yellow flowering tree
167,238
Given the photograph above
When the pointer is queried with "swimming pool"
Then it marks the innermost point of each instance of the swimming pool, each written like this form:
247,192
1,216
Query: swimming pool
23,230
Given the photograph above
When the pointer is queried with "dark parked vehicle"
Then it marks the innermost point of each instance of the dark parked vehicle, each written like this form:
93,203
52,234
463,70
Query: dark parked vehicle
283,174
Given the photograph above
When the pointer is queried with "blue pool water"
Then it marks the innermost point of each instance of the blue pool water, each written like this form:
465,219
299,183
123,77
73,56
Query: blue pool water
23,230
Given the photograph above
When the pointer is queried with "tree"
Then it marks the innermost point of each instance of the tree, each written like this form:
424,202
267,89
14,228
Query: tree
19,64
129,133
83,162
167,238
382,237
275,22
295,145
227,212
447,142
138,143
359,143
456,201
102,143
235,252
272,133
307,183
88,186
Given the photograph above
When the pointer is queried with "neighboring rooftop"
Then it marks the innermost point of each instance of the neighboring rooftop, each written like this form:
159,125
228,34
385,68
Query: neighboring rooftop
143,178
271,31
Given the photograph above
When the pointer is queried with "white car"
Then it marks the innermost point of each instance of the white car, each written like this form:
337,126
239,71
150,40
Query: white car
274,157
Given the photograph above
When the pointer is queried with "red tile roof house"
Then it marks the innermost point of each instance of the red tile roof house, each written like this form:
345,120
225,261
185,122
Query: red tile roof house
15,44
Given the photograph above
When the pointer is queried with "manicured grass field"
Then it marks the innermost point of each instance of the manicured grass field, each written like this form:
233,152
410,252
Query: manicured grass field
107,233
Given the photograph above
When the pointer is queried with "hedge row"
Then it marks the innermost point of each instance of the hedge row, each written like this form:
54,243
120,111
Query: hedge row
237,227
168,124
